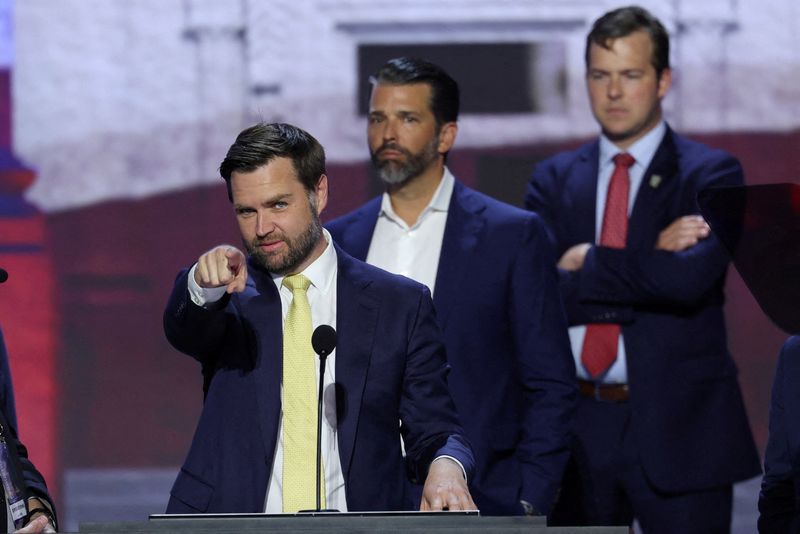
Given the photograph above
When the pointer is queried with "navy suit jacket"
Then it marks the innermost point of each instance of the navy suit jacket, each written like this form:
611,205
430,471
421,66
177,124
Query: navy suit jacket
779,502
390,367
512,379
687,411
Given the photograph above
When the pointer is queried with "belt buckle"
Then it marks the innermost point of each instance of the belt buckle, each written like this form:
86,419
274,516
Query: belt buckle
598,388
597,396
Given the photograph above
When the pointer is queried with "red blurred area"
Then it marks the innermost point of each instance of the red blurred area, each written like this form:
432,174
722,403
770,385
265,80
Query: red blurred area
29,316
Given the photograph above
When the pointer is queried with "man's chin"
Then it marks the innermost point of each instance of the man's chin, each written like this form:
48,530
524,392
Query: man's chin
620,135
272,263
393,177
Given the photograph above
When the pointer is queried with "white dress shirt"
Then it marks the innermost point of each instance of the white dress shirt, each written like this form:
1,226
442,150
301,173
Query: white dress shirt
412,251
322,299
643,151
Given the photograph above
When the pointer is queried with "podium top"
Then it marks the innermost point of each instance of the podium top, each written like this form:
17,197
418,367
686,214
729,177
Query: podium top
344,523
330,523
169,517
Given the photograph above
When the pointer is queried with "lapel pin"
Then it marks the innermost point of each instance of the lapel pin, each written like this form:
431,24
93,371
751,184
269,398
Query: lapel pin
655,181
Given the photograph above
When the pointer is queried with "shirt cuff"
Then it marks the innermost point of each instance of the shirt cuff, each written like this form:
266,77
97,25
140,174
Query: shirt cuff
203,296
463,471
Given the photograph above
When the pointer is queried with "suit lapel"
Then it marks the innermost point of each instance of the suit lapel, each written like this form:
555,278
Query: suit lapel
652,200
265,308
356,319
581,192
357,237
465,222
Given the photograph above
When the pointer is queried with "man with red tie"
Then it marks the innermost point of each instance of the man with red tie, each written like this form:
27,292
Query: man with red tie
661,431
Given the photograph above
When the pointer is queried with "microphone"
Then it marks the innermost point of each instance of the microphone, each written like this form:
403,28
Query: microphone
4,277
324,341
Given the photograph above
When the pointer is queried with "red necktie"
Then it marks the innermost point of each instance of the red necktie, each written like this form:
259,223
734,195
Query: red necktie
600,343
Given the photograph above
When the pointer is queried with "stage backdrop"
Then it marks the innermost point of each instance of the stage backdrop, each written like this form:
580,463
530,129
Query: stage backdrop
122,111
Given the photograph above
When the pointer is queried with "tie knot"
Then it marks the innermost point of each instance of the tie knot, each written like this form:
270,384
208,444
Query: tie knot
297,281
624,160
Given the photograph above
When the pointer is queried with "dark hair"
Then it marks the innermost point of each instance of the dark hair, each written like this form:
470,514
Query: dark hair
623,22
258,145
409,70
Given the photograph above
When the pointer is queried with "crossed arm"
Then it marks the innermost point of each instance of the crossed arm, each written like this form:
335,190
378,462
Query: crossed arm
683,233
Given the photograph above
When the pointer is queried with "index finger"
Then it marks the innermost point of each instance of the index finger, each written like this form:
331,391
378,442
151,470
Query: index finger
239,281
235,257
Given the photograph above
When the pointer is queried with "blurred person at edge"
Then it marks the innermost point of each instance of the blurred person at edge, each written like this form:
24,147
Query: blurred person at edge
40,512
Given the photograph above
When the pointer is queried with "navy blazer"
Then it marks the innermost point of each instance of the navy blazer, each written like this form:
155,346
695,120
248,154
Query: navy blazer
513,379
779,501
390,367
688,415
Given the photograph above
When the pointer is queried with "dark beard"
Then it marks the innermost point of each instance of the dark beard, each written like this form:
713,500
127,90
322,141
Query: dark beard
397,174
298,249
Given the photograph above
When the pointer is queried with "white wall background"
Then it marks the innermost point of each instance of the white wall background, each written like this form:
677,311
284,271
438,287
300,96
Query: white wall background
132,98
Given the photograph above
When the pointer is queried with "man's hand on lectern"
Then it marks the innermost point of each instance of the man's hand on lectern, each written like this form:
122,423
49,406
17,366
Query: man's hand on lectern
445,488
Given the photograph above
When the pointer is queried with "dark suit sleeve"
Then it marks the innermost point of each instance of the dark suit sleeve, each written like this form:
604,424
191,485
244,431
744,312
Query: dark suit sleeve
427,412
545,367
35,485
7,403
543,198
209,335
197,331
777,503
653,277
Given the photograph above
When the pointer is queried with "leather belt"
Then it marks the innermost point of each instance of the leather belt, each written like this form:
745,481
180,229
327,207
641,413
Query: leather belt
604,392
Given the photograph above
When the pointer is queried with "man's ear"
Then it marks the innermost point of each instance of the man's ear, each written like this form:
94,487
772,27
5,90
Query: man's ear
664,82
447,137
321,192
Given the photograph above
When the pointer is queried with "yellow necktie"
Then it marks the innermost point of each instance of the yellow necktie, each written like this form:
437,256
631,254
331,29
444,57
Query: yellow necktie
299,403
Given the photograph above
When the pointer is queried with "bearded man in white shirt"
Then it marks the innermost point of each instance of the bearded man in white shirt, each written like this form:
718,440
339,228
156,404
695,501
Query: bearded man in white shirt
491,270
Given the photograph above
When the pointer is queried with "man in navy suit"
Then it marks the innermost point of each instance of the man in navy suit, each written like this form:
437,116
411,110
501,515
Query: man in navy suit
490,269
661,430
779,501
386,377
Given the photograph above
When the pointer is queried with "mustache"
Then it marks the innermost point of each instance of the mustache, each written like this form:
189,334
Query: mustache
391,146
257,242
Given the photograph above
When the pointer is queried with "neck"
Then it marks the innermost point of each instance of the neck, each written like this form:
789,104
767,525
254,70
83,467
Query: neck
409,199
625,143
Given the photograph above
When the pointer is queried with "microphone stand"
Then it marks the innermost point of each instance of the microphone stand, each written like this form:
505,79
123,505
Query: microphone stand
323,341
323,357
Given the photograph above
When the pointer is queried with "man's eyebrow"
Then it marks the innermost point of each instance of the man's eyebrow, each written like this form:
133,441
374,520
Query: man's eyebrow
277,198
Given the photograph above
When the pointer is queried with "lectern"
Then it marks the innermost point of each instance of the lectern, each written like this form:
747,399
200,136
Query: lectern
359,522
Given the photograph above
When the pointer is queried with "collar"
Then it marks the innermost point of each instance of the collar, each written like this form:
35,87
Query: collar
642,150
440,201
